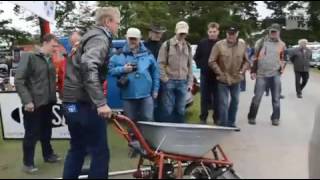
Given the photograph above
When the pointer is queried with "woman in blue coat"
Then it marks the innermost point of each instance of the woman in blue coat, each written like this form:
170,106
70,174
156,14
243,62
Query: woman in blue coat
138,77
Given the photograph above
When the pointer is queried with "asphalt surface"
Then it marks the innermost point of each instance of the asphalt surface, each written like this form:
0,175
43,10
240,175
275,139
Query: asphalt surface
264,151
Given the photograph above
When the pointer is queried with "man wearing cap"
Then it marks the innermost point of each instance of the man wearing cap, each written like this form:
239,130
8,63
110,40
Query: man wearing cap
208,80
154,42
138,66
267,68
175,59
229,61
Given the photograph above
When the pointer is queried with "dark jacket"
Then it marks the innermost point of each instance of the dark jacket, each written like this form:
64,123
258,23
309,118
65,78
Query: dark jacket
87,72
300,60
202,55
154,47
35,80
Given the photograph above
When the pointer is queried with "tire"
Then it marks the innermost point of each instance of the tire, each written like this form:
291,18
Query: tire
196,171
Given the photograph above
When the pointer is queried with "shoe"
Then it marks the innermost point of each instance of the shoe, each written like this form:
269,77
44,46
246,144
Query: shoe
275,122
252,122
237,128
282,97
203,122
29,169
299,96
53,159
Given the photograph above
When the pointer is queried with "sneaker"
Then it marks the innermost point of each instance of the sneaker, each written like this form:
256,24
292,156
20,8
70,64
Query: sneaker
299,96
252,122
53,159
29,169
275,122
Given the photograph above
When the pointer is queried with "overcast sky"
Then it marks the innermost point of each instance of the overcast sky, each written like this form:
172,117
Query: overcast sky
7,7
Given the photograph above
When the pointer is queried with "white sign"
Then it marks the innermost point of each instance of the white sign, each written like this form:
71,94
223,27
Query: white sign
296,22
12,118
44,9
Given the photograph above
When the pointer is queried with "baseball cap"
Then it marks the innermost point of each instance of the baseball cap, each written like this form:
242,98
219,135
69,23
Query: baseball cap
182,27
233,29
275,27
157,28
133,33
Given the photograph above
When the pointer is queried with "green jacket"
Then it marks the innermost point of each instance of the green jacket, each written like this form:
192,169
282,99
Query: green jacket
35,80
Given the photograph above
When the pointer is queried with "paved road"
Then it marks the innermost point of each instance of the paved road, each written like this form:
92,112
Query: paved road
264,151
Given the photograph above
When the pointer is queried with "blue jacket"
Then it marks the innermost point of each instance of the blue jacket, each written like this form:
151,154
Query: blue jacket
142,83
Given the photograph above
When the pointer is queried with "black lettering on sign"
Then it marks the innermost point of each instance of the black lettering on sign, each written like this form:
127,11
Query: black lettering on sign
58,119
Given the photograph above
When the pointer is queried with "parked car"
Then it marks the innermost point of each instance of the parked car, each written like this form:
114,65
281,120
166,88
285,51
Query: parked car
315,59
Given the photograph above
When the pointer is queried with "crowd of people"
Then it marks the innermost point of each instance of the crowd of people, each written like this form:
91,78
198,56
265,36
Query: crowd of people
154,78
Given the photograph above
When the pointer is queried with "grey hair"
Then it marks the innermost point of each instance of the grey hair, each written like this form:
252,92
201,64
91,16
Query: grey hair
106,12
302,41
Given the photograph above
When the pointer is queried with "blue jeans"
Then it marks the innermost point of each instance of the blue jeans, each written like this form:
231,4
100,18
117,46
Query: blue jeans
139,109
228,112
274,83
209,97
174,99
88,136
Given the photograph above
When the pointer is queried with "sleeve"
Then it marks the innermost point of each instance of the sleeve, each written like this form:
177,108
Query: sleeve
21,79
197,56
93,59
155,72
213,60
162,58
190,73
116,69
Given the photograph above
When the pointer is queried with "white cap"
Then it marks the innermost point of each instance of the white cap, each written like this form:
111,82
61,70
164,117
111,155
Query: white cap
133,33
182,27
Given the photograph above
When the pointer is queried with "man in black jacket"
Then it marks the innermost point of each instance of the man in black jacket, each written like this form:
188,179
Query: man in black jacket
84,102
301,58
154,43
209,98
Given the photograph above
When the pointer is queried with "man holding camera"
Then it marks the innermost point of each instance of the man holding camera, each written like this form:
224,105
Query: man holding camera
138,77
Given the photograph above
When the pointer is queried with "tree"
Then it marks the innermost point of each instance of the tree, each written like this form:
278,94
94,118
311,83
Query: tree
12,36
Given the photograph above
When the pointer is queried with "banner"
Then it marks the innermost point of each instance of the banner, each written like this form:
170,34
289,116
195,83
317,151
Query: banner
297,22
44,9
12,118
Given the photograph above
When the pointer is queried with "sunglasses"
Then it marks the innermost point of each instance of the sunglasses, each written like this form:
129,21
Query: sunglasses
231,33
133,39
183,34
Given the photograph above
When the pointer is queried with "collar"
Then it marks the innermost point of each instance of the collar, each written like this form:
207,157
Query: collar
105,30
175,41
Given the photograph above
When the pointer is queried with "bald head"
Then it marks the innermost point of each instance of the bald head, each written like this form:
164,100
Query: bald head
75,38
